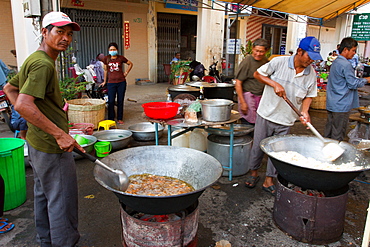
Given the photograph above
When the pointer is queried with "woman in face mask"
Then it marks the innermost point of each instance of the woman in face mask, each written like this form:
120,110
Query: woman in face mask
115,76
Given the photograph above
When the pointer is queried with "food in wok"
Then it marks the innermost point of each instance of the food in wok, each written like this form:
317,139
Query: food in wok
298,159
154,185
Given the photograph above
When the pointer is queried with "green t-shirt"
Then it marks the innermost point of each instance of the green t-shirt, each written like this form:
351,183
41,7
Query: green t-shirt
245,74
38,78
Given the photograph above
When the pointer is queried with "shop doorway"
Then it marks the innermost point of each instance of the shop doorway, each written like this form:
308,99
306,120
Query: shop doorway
276,35
175,33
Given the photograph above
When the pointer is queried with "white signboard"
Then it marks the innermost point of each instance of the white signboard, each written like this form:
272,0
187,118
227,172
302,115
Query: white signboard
231,46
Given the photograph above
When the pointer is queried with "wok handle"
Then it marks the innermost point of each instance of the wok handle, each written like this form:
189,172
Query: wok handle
95,160
293,107
313,129
85,155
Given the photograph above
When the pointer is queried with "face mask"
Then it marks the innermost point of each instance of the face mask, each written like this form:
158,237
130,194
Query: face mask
113,53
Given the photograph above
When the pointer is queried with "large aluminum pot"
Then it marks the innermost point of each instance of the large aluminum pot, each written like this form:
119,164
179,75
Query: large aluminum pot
118,138
145,131
89,147
311,146
192,166
180,89
216,110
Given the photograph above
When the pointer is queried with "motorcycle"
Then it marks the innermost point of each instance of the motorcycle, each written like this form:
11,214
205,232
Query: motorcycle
213,71
5,109
92,90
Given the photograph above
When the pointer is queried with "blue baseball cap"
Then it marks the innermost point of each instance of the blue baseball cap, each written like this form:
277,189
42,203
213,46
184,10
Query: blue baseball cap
312,46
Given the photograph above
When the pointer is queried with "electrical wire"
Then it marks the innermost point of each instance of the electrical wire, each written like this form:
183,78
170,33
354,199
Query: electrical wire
360,181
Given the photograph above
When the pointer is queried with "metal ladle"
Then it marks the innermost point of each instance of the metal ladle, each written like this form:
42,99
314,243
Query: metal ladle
122,181
331,150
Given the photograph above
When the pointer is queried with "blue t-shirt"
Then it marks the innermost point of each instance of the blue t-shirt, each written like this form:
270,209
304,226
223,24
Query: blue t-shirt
341,90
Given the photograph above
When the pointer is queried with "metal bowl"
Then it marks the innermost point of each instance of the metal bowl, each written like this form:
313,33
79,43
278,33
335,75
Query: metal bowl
311,146
118,138
192,166
89,147
239,130
145,131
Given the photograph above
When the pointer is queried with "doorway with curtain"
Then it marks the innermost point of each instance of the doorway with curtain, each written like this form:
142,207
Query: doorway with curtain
175,33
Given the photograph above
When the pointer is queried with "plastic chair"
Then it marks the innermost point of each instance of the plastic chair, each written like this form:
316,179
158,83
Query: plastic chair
209,79
182,78
167,71
16,133
106,124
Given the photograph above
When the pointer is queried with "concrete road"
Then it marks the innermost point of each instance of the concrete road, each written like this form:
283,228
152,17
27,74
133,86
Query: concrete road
228,210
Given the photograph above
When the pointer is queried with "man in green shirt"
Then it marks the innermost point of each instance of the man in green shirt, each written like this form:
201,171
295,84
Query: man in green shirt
249,89
35,94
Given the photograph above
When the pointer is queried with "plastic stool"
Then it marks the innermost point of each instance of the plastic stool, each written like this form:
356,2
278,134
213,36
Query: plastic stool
106,124
16,133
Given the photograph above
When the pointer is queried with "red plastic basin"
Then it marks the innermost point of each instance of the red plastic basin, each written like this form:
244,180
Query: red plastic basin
161,110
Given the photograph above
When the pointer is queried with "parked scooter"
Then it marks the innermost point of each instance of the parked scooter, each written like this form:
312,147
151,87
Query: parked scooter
5,109
92,90
213,71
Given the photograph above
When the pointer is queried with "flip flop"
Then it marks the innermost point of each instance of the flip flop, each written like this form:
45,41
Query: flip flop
4,228
3,224
3,219
252,181
271,189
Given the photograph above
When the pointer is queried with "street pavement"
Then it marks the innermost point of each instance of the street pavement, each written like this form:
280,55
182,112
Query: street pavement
228,210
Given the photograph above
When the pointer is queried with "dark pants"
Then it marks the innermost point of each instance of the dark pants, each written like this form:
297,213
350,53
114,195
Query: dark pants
114,89
263,129
336,125
56,198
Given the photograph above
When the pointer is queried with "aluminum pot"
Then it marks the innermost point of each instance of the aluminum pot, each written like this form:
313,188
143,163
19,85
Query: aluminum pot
311,146
216,110
89,147
180,89
239,130
145,131
192,166
118,138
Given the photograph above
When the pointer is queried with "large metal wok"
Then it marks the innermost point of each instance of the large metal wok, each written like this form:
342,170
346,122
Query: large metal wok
310,146
194,167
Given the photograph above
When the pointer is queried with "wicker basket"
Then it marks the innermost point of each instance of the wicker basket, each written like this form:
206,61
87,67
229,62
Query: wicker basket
86,111
319,102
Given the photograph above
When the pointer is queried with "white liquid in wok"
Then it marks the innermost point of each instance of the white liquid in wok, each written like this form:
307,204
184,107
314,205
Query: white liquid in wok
295,158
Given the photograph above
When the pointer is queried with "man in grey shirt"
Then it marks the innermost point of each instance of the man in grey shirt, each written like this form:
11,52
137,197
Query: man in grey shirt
248,88
290,77
341,90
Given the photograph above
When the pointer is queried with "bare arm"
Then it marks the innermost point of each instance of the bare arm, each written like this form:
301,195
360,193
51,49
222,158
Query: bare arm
24,104
279,90
130,65
239,92
105,76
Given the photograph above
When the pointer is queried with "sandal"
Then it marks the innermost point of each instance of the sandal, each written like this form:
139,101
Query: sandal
271,189
252,181
6,227
3,219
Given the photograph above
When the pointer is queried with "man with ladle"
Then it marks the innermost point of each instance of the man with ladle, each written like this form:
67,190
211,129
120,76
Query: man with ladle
290,77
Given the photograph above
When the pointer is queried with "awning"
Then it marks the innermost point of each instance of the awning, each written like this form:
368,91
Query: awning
325,9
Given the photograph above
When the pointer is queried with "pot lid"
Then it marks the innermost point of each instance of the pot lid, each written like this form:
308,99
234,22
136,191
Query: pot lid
201,83
224,85
183,88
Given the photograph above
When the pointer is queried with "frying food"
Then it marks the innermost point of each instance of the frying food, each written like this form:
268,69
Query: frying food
154,185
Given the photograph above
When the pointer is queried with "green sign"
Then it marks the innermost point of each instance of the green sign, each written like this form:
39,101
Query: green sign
361,27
